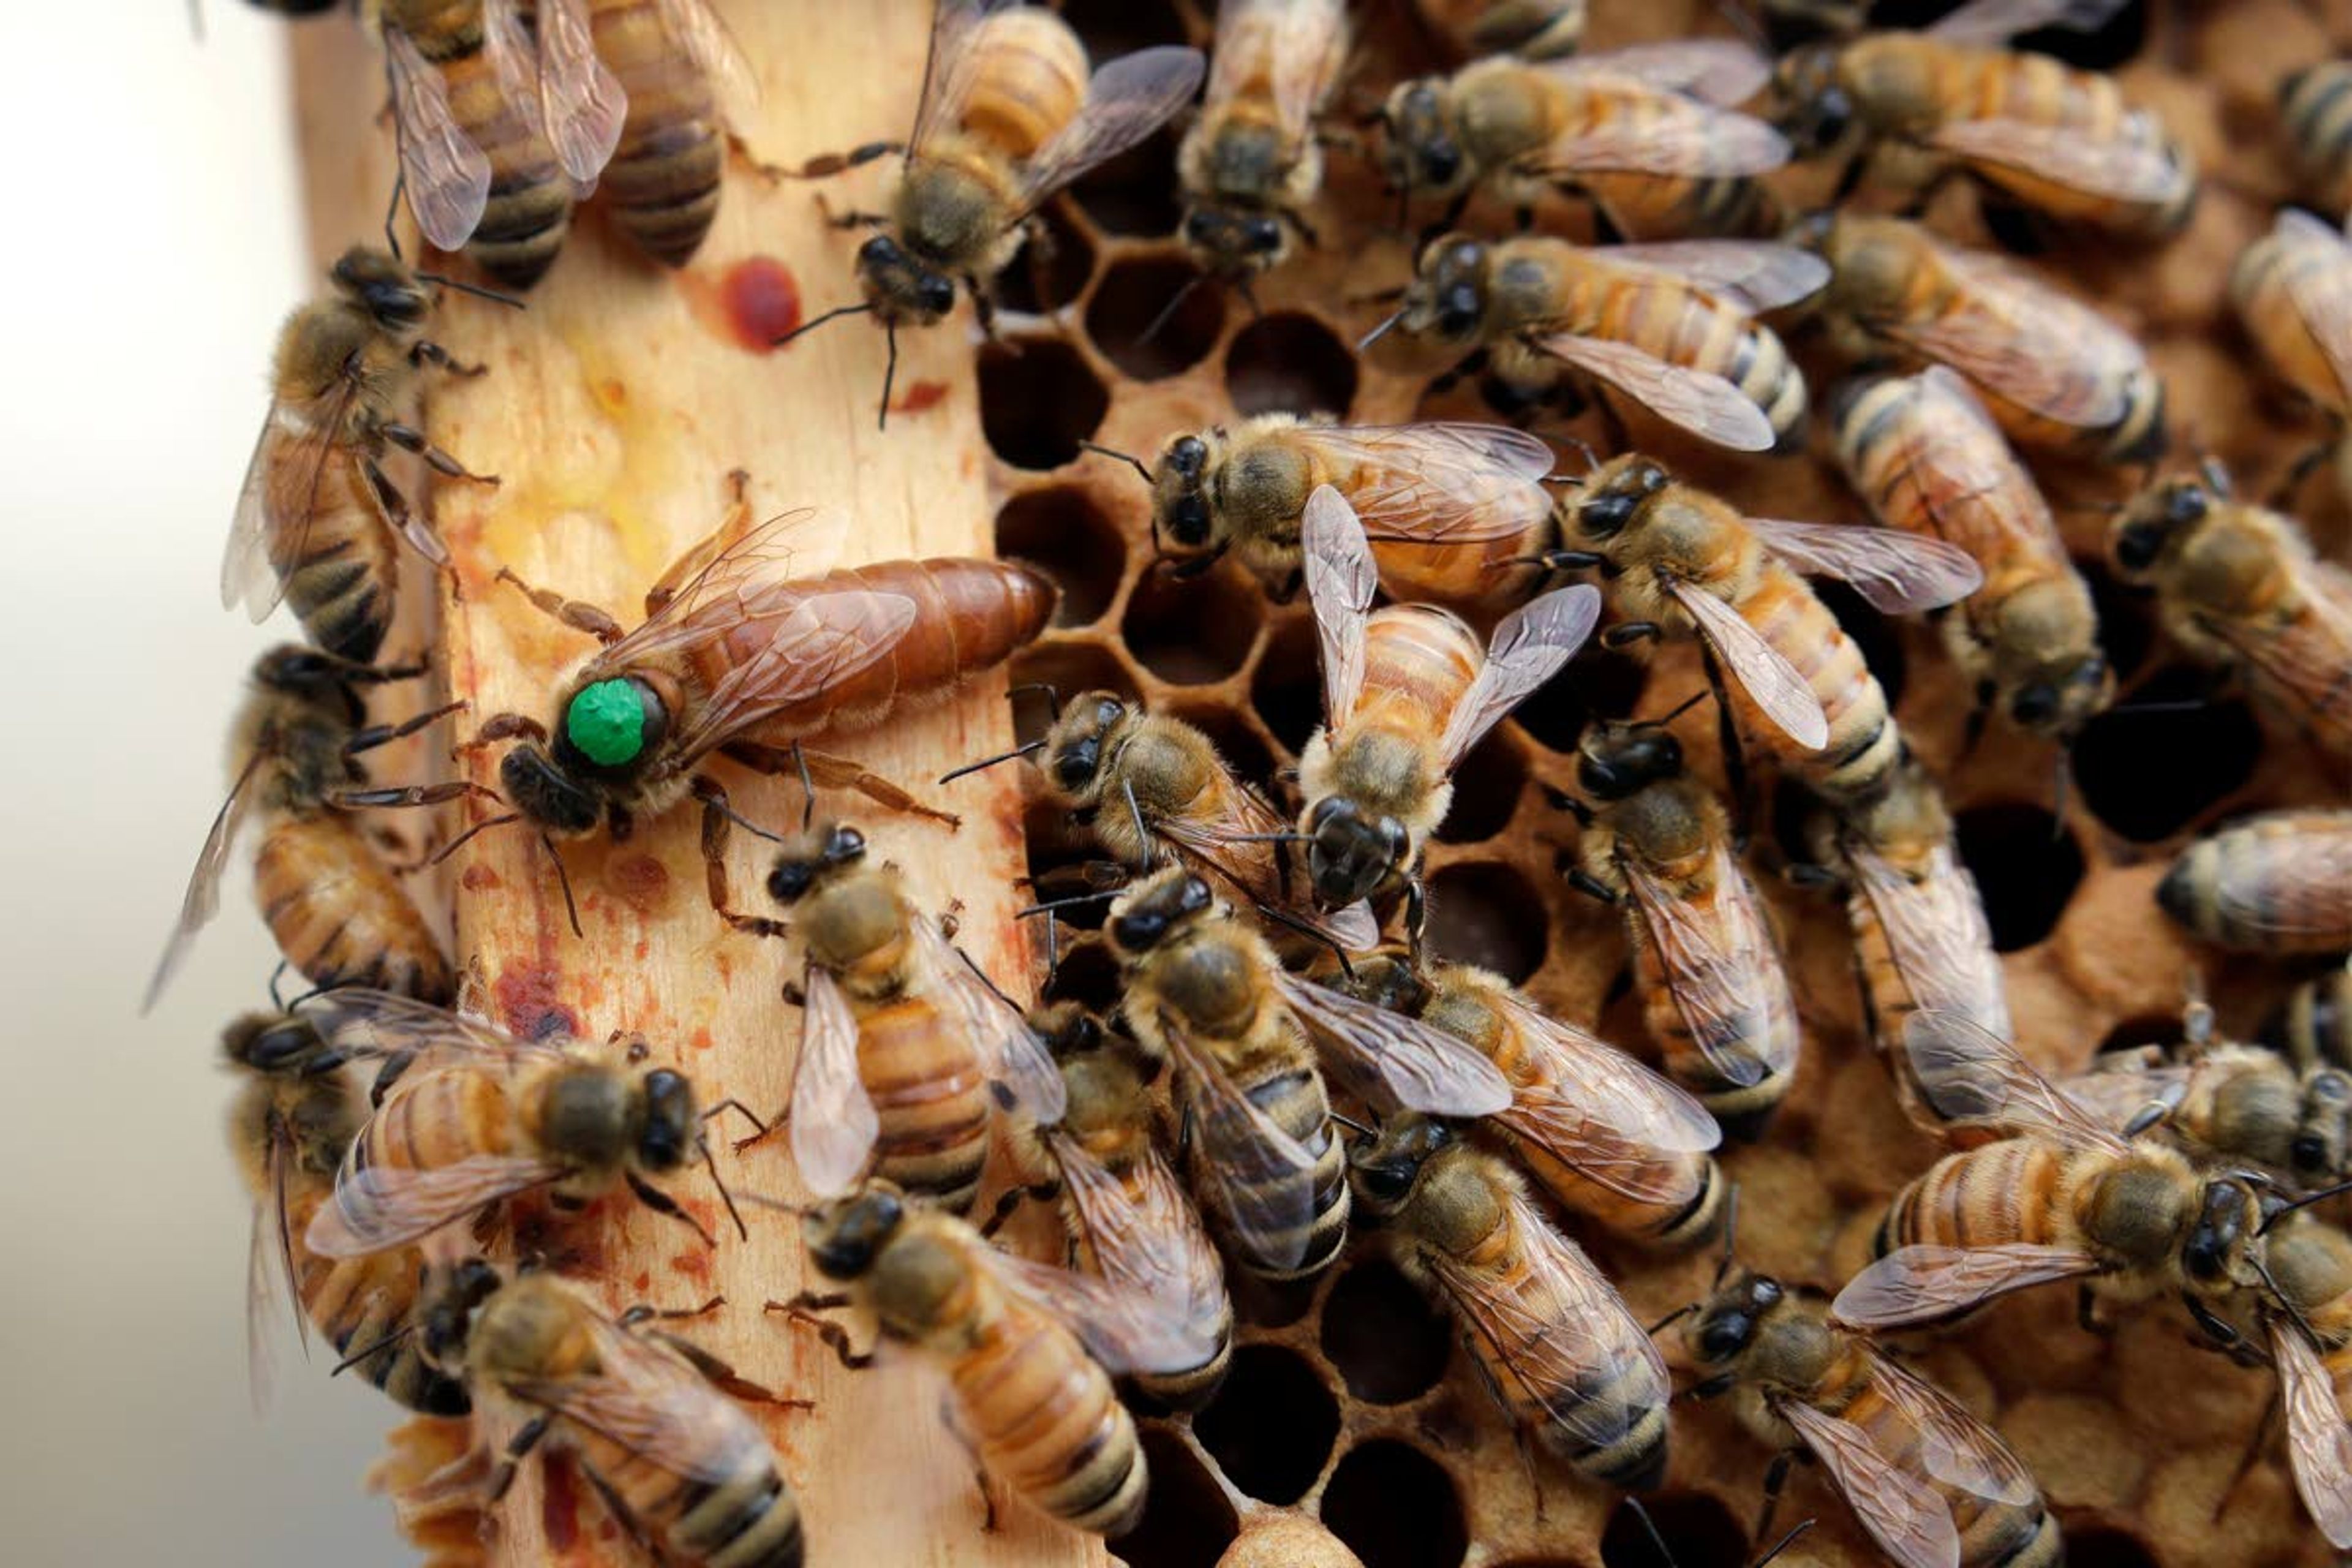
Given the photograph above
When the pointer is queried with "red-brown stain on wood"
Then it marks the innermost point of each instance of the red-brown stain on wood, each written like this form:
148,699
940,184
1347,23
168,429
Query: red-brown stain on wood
752,304
921,397
526,993
640,880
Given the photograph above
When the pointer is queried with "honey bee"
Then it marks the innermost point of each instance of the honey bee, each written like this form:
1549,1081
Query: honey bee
1553,1341
1407,692
2062,141
1008,116
1679,557
2241,1103
1531,29
2310,1337
2058,1197
1647,134
1126,1213
1922,453
316,515
476,164
1672,326
905,1051
338,913
2292,289
1203,991
292,1120
2316,104
685,1470
1932,1485
2277,883
1250,166
1155,792
1027,1349
2313,1028
737,655
477,1116
1920,937
1596,1129
1713,991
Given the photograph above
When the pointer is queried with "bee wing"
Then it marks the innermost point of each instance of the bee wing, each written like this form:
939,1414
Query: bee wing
949,67
202,901
1936,933
1233,844
1721,71
1770,682
730,573
1393,1060
1988,23
1671,134
1897,573
654,1403
1907,1518
1920,1284
825,639
1724,966
833,1123
1754,274
2311,657
1127,101
377,1207
711,45
1124,1329
2318,1433
1700,401
1956,1447
2322,295
2024,340
1438,483
1529,647
1970,479
269,1277
1295,47
447,178
1015,1056
1971,1076
1260,1177
365,1025
1598,1110
1145,1236
1341,578
282,494
2115,1096
2132,164
581,102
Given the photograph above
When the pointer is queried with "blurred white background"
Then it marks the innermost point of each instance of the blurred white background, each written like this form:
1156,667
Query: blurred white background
156,247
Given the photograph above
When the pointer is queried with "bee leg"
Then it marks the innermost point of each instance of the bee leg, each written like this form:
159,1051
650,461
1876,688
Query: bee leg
980,1477
577,614
2282,494
721,1372
850,219
517,1449
1591,886
803,1307
1470,365
1416,916
1776,1480
375,735
718,819
845,772
411,795
1008,1202
427,352
409,438
1739,782
2086,1313
1978,718
983,309
1306,231
2246,1461
826,165
623,1515
742,152
660,1201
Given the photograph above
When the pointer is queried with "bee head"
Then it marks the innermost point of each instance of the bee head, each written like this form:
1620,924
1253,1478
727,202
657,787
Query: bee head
2229,1216
1233,244
1143,919
667,1132
451,1299
385,289
544,792
848,1234
1180,499
1615,760
2058,703
902,289
2319,1148
1067,1029
1420,154
1351,851
1726,1325
312,676
1384,1166
283,1045
824,849
1816,111
2152,522
1074,752
1612,501
1448,293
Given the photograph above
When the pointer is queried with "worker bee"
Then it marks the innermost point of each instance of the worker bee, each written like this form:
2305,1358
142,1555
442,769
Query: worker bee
685,1470
2062,141
1027,1349
1126,1213
1679,557
1155,792
2058,1197
1553,1341
737,655
1596,1129
905,1051
476,162
2292,289
2316,104
2313,1028
1713,991
1008,116
338,913
1531,29
2310,1339
1647,133
1932,1485
1407,692
1922,453
1672,326
293,1119
2052,372
316,515
1204,991
1250,166
477,1116
2279,882
1920,937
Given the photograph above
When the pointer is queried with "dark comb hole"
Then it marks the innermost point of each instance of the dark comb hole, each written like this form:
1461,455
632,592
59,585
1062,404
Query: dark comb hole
2101,48
2018,229
1193,631
1090,976
2144,1029
2025,866
1135,193
1110,28
1487,789
1061,857
1061,532
1696,1529
1269,1303
1187,1521
2106,1549
1135,295
2126,621
1381,1333
1037,401
1598,681
1882,648
1287,689
1290,363
1244,753
1046,278
2150,774
1394,1508
1271,1425
1483,912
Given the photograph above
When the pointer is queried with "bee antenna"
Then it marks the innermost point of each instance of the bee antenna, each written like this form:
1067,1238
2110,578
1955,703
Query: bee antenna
1679,709
1047,906
762,1200
399,188
1053,698
459,842
564,879
710,1164
1783,1543
1168,311
364,1352
1129,459
1355,1126
890,372
1584,449
475,289
1249,297
1649,1527
2263,1267
1020,751
815,322
1730,1236
2304,1201
1377,333
2058,775
1677,1316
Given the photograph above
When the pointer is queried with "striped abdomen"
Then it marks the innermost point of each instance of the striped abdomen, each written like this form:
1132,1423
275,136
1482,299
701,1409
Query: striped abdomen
1747,1015
2316,104
1294,1100
664,177
1862,744
1045,1418
1651,207
750,1520
2279,883
1418,661
1942,896
430,1119
2315,1028
529,208
339,916
332,546
1675,323
2002,84
2262,288
1030,82
355,1302
2004,1192
931,1098
1146,1182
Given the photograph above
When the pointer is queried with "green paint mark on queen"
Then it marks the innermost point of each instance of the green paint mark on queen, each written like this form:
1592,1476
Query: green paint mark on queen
607,722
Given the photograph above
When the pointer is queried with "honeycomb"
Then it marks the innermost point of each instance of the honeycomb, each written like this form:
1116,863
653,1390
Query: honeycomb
1350,1430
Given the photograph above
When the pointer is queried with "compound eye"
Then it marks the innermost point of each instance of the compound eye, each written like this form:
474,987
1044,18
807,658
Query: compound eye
1108,712
936,294
2186,504
1262,236
845,844
1075,767
1604,516
790,881
1833,115
1194,898
1394,837
1139,930
2034,706
1723,1337
1199,226
1386,1182
1188,521
1187,456
1457,311
2137,546
879,251
1442,161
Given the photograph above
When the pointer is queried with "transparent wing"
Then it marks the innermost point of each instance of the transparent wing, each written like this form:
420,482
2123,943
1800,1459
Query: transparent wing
1906,1516
1770,682
1145,1236
376,1208
581,101
202,901
653,1402
1968,485
833,1123
280,494
2028,342
1956,1447
1937,935
1700,401
1989,23
1229,833
949,67
1294,47
1726,973
711,45
2318,1433
1341,578
1598,1110
369,1024
824,641
1920,1284
727,577
2305,658
1969,1075
1670,134
1899,573
1393,1060
1718,70
1529,647
2322,294
513,57
2116,1095
2124,166
270,1277
1127,101
1258,1176
1754,274
1437,483
1125,1330
1015,1056
447,178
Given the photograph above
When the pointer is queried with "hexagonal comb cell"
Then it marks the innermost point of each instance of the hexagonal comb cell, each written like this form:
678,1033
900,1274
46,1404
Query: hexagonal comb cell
1187,1521
1038,399
2026,865
1271,1425
1693,1528
1044,277
1289,363
1484,912
1153,316
1383,1335
1487,790
1193,631
1395,1508
1061,531
2166,754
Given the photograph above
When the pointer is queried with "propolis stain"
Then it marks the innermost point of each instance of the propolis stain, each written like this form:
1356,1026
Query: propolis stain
759,301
